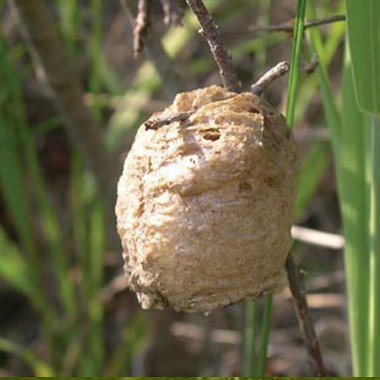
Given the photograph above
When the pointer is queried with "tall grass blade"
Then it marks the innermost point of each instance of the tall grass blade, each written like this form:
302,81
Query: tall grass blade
364,44
349,135
331,111
354,201
374,244
295,62
70,20
364,40
262,358
250,332
309,176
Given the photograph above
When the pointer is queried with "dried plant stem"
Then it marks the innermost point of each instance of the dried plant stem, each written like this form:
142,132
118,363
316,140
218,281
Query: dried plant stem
211,34
42,37
173,15
172,81
304,319
158,123
288,26
141,26
276,72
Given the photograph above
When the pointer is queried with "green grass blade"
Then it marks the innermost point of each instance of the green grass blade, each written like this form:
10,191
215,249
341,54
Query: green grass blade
249,349
14,270
70,20
374,243
331,112
265,329
364,40
349,137
309,175
364,46
354,201
295,62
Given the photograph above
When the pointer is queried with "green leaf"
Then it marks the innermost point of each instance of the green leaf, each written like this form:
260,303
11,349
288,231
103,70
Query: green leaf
364,43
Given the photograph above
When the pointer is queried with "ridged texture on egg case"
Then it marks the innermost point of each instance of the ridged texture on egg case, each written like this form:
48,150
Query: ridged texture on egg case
205,205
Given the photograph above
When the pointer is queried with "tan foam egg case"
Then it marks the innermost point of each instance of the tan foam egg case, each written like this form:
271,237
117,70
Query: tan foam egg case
205,204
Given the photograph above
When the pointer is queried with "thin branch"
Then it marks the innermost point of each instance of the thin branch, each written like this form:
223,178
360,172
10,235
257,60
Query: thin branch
307,135
41,34
288,26
304,318
276,72
158,123
141,26
318,238
173,15
172,81
210,31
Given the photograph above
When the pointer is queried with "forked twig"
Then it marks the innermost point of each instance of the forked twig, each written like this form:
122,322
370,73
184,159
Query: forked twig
211,34
304,319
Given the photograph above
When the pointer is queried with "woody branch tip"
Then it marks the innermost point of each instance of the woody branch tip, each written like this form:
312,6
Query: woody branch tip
210,31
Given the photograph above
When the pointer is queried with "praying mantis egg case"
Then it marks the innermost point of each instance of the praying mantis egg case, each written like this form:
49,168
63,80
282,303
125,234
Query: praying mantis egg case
205,203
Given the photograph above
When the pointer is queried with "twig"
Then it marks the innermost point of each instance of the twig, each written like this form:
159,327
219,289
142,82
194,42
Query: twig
141,26
211,34
158,123
173,16
172,81
117,285
288,26
318,238
307,135
304,319
276,72
41,34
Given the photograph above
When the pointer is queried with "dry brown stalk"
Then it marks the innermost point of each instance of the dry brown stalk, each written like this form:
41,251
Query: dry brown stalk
141,26
173,15
305,321
288,27
211,34
172,81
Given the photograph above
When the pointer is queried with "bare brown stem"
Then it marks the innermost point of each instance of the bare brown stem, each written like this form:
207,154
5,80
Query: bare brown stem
172,81
173,15
141,26
289,26
271,75
41,34
211,34
304,318
158,123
